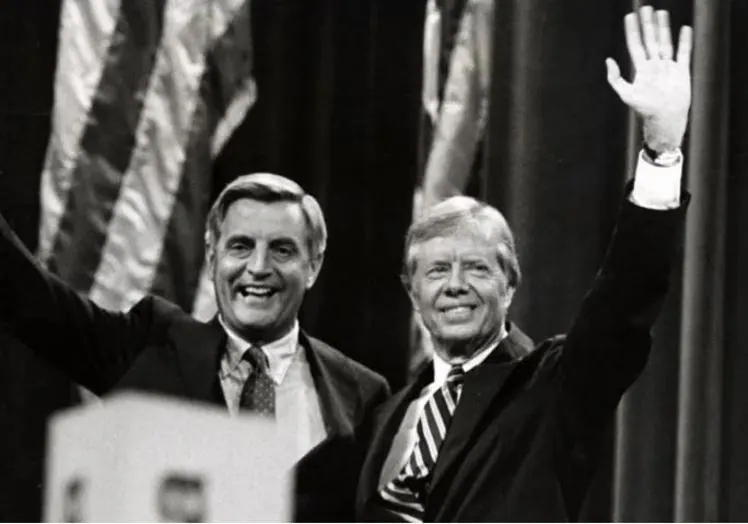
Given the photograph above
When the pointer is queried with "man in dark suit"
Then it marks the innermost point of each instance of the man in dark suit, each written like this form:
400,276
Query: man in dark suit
266,241
498,430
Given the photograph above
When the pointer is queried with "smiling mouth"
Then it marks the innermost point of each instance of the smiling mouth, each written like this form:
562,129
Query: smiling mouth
257,292
457,313
463,308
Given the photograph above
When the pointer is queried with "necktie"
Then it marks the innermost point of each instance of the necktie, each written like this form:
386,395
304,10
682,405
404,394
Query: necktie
405,493
258,393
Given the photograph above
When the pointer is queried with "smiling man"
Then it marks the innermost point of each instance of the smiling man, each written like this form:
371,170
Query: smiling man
265,244
462,239
495,429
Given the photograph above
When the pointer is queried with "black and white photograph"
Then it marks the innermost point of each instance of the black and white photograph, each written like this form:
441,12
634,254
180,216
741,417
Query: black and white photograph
373,261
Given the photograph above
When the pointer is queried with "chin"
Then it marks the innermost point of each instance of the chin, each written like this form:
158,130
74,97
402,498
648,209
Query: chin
256,322
459,336
459,333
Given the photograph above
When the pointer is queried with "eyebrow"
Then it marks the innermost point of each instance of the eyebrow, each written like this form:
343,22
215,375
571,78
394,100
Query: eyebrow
275,240
237,237
469,257
284,240
477,258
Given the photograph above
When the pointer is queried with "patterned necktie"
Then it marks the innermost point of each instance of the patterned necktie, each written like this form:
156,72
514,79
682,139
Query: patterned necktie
258,393
405,493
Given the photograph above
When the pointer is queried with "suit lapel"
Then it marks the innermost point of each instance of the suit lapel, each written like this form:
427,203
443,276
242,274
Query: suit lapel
337,391
199,346
388,420
483,386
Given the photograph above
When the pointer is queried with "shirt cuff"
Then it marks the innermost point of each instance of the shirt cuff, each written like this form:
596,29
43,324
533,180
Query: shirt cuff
656,187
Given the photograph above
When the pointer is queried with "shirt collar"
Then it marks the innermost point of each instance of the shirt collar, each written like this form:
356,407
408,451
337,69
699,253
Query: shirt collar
442,367
280,353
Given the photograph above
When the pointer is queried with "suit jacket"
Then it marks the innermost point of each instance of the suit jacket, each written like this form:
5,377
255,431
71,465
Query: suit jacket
157,348
523,442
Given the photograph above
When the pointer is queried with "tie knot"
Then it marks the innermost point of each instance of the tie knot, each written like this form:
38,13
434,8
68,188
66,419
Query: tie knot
257,358
456,375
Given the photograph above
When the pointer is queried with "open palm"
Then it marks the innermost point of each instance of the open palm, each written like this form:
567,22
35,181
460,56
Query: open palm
660,92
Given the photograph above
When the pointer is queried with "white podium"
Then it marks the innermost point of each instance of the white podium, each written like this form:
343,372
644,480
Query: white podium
143,458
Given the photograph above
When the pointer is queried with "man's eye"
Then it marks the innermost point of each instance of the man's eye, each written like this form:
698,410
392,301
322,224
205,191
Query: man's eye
480,269
436,271
237,247
284,251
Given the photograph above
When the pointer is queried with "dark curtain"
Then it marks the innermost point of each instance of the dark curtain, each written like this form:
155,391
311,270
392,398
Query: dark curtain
338,110
559,150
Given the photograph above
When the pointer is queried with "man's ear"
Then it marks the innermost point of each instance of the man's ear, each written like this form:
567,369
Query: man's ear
413,296
508,297
407,283
210,256
315,266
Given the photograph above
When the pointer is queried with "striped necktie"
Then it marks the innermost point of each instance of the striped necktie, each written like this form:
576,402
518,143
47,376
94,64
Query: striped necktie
258,393
405,494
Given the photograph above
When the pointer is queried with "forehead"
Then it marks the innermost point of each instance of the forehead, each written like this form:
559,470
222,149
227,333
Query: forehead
467,243
256,219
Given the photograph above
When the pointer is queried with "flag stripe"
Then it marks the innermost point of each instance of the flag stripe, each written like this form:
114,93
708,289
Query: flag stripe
233,66
150,186
132,248
227,78
440,37
86,29
106,143
431,45
449,29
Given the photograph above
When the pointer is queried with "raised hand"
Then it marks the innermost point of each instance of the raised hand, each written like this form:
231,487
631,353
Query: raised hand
661,90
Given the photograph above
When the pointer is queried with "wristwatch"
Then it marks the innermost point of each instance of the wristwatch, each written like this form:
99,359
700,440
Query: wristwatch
662,159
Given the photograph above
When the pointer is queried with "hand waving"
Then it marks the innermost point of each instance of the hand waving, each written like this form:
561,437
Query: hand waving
661,90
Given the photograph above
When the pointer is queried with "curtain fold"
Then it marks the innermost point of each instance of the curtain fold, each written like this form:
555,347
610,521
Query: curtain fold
559,148
700,411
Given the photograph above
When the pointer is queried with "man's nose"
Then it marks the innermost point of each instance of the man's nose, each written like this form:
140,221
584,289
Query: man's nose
258,263
456,281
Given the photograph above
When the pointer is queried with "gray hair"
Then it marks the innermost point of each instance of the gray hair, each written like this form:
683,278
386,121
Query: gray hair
448,218
268,187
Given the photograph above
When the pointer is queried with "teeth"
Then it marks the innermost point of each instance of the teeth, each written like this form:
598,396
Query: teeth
260,291
458,309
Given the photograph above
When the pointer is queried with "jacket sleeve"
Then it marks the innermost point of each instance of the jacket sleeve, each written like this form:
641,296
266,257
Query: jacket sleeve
94,347
609,342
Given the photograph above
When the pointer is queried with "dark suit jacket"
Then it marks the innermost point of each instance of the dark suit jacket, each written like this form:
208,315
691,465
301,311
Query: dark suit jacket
523,442
157,348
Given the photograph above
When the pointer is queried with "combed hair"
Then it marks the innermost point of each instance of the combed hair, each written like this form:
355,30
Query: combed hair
450,217
268,187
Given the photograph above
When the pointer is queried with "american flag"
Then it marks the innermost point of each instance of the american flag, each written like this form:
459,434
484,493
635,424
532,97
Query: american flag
146,95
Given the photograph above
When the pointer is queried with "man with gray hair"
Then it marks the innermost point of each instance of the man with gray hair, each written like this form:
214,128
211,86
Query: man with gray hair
498,430
265,244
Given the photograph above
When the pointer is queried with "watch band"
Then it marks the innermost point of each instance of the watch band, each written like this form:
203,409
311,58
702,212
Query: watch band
664,159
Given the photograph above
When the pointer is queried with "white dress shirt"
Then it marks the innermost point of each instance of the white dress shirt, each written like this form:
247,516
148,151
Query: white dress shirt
654,188
297,408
